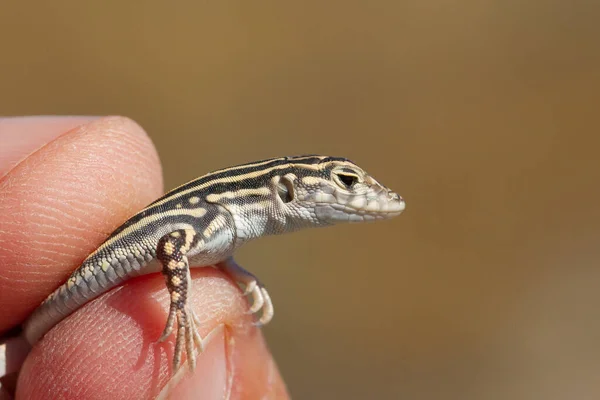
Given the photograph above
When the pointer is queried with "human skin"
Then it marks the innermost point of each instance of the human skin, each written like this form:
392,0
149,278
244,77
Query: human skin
65,184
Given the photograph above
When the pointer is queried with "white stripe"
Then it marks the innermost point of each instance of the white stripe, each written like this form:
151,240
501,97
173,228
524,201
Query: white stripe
215,197
194,212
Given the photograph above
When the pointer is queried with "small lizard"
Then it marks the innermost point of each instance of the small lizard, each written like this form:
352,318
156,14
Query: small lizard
203,222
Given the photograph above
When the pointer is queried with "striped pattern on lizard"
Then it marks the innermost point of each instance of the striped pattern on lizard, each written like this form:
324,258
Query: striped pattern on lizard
203,222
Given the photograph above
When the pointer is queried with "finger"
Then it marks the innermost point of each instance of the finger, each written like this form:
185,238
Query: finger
109,349
63,199
22,136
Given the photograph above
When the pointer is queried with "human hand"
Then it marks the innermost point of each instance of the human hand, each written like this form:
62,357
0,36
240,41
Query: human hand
65,184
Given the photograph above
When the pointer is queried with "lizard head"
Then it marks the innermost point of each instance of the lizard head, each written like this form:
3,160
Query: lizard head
329,190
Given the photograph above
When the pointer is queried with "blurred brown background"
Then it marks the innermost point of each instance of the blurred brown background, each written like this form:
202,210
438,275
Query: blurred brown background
483,115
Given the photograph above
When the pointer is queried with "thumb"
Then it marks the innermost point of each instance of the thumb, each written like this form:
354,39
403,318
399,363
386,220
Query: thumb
108,348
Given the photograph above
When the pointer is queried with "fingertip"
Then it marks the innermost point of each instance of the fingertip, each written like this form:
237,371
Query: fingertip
62,200
22,136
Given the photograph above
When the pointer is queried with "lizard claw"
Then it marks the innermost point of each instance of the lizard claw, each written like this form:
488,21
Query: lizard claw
261,301
258,299
267,309
250,287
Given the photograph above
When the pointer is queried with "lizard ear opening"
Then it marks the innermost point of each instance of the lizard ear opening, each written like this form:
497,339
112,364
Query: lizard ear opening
285,189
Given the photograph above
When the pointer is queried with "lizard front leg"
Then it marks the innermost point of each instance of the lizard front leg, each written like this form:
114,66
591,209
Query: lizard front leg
171,252
252,286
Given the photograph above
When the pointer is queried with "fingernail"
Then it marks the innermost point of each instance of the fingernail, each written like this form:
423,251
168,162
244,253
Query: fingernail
210,380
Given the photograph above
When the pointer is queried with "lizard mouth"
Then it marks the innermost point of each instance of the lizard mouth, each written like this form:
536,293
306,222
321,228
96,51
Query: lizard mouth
342,213
383,211
384,203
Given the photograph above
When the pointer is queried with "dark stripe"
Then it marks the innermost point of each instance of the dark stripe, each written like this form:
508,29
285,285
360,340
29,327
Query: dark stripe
153,226
295,165
295,160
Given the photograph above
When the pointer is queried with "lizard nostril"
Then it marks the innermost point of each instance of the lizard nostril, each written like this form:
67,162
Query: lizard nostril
394,196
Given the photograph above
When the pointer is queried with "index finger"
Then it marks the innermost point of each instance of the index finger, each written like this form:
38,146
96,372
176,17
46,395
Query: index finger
78,183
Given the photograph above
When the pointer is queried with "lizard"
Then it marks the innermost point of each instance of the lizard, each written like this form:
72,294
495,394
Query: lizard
203,222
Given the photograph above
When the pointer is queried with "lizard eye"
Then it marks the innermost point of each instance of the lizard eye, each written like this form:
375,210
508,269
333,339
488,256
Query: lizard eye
347,181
